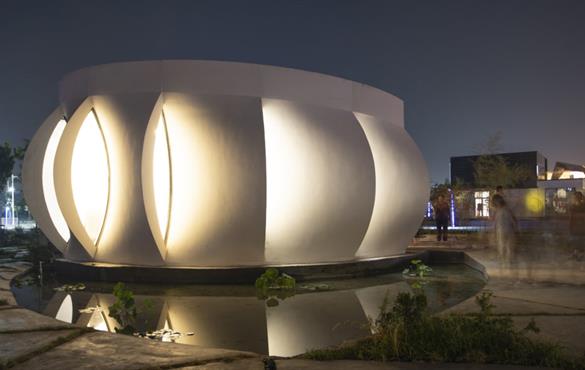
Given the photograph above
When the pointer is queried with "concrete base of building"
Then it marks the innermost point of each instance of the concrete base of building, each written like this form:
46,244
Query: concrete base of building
88,271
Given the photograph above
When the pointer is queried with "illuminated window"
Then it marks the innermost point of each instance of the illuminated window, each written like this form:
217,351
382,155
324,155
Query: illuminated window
48,181
90,176
482,203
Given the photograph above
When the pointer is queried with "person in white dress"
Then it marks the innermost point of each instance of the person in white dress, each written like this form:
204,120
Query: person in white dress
505,227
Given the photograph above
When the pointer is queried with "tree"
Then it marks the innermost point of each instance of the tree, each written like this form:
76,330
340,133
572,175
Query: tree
7,161
440,189
491,170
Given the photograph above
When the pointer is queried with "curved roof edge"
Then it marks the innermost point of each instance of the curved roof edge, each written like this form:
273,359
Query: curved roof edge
229,78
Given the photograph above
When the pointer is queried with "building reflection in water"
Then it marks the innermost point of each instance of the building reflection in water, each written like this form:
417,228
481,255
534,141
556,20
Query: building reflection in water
298,323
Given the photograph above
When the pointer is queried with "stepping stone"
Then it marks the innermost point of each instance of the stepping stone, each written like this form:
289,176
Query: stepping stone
99,350
20,319
6,296
18,346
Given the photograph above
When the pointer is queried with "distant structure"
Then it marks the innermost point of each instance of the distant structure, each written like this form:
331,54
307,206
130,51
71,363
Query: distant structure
534,163
203,163
565,171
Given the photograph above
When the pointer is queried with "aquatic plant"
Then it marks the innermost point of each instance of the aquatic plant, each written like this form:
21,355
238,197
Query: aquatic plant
271,279
417,268
70,287
124,309
272,285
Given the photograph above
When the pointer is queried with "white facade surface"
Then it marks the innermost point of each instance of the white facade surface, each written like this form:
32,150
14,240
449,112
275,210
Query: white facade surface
203,164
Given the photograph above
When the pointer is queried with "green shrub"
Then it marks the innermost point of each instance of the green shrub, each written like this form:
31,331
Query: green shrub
406,332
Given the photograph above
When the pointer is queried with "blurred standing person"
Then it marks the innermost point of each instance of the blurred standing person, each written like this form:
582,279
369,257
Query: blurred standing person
441,211
577,226
505,227
492,209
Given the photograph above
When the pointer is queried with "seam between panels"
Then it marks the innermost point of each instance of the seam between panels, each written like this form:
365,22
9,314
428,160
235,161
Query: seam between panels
98,239
170,195
375,183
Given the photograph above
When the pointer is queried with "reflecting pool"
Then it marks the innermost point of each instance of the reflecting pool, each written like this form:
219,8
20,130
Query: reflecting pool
235,317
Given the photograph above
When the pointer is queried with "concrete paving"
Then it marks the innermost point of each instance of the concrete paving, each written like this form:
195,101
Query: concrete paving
98,350
7,273
20,319
16,347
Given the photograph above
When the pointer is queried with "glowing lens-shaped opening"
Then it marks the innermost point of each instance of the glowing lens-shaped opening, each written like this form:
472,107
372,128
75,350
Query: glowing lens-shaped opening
90,176
48,181
161,177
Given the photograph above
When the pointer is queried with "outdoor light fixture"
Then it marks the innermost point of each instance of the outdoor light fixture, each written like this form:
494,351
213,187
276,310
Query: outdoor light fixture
201,163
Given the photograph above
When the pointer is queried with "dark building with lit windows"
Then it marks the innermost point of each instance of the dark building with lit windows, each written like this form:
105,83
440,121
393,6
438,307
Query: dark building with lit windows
544,193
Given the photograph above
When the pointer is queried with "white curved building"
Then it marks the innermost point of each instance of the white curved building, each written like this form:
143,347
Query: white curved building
204,163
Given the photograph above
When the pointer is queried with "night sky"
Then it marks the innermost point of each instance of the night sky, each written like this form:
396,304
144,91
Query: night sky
465,69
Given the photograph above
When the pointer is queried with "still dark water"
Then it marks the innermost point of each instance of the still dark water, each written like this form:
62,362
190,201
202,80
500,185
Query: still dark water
234,317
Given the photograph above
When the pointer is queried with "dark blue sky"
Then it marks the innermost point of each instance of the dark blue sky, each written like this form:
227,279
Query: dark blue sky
465,69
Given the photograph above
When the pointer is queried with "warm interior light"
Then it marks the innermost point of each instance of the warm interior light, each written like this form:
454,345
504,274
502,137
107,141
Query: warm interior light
161,176
48,182
65,312
572,175
90,176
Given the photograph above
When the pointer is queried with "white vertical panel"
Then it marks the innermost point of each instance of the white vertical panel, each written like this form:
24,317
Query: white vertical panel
320,183
38,163
402,188
218,180
126,237
63,176
48,181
